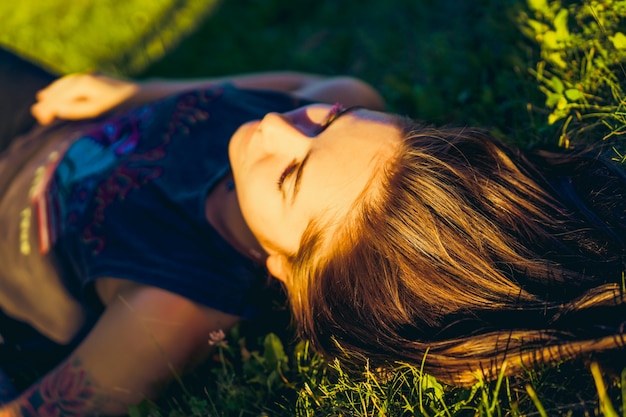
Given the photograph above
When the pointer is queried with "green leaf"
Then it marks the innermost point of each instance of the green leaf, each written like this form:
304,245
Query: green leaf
274,352
142,409
573,94
560,24
552,99
550,40
432,388
540,6
557,115
556,59
537,27
618,40
556,85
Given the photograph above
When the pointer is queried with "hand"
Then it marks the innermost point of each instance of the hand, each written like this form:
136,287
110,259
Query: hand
81,96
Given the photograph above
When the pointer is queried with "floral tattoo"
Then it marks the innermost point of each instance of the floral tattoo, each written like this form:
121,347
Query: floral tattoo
66,391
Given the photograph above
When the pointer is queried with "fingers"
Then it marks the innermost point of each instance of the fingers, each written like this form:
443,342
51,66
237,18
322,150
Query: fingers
64,88
42,117
55,97
80,96
75,108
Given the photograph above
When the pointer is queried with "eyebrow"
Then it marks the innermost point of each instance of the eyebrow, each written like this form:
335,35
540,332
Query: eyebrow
300,169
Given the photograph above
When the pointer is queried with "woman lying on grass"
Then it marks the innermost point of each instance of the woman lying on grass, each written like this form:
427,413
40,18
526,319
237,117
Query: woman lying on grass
137,218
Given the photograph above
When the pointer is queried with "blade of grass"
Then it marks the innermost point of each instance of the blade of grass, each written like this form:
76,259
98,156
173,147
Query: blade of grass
533,396
606,407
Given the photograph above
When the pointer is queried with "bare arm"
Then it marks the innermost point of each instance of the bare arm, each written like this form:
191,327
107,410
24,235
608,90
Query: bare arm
145,336
347,90
81,96
284,81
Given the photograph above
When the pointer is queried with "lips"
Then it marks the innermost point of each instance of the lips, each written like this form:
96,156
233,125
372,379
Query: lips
301,119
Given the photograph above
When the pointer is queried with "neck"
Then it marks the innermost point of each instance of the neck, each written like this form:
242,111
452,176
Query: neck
223,212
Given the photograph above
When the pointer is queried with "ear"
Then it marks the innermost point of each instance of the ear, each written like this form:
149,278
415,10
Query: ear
278,266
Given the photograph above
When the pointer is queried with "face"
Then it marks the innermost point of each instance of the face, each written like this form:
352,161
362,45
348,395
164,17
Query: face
311,163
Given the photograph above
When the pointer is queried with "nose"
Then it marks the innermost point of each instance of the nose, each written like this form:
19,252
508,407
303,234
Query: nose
281,134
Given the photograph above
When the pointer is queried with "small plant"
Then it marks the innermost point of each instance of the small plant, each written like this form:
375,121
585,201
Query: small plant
581,69
267,377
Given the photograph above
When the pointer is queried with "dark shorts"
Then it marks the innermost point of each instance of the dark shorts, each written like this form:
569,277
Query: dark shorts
24,355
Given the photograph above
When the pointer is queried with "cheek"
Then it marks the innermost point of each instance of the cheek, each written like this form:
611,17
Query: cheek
257,199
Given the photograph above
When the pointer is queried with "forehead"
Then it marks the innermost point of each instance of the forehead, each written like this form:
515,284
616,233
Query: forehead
345,161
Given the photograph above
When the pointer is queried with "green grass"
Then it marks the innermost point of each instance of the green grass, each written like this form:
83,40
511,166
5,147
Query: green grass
438,60
443,61
113,36
265,377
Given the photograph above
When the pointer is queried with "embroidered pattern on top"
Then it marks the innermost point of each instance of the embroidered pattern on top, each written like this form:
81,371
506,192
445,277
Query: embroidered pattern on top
67,184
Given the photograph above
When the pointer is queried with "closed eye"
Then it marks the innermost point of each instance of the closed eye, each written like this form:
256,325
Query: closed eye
297,167
286,172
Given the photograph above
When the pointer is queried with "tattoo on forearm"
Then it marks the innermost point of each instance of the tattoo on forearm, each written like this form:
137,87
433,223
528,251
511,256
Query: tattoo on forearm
66,391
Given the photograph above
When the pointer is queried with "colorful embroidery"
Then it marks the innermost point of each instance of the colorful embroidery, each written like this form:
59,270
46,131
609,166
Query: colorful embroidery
38,197
25,216
105,165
